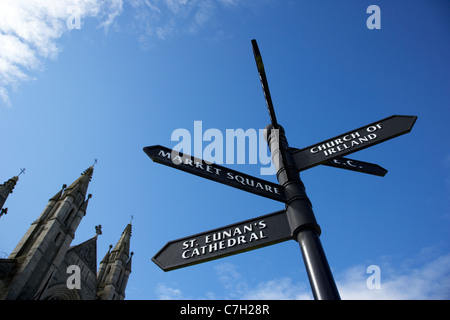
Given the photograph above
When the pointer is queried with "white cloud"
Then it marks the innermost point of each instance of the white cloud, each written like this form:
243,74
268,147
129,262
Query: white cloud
161,18
4,96
278,289
114,10
166,293
29,30
423,277
428,281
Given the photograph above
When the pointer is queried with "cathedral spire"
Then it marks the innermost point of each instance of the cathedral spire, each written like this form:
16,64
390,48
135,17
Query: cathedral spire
115,269
49,236
123,245
82,183
7,187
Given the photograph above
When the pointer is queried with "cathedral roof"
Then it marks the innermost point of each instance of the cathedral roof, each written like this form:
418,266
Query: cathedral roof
87,252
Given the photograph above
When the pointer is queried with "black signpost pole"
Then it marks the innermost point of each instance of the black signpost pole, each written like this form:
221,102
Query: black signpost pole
302,221
300,215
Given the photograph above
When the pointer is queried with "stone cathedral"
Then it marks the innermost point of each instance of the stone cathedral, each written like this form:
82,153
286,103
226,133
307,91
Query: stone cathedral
44,265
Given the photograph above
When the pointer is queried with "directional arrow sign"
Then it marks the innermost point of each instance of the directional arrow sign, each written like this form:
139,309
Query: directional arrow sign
215,172
358,166
218,243
353,141
353,165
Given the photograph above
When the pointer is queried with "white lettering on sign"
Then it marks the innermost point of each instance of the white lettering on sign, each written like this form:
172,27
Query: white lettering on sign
224,239
252,183
195,163
346,142
346,163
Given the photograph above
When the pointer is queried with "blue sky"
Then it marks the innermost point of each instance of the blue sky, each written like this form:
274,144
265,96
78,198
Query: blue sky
135,71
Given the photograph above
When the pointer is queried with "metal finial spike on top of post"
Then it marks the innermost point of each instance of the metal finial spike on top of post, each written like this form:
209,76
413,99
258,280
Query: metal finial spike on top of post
265,85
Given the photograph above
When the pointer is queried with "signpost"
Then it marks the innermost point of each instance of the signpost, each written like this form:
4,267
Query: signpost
353,165
297,221
358,166
218,243
215,172
353,141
